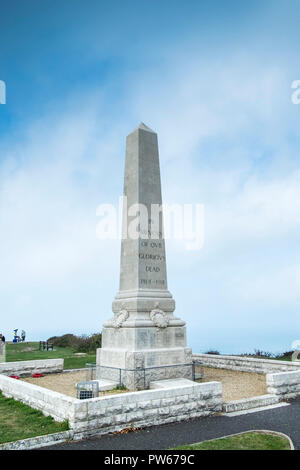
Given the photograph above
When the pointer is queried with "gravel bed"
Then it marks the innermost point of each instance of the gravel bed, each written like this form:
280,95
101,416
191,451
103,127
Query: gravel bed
65,383
236,385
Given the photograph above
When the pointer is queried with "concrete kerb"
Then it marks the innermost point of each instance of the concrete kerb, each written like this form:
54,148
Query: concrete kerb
259,431
38,441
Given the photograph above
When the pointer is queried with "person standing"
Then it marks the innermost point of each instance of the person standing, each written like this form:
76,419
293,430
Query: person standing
2,348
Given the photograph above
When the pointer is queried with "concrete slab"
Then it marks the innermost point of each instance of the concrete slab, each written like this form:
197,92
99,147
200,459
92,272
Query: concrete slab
106,385
170,383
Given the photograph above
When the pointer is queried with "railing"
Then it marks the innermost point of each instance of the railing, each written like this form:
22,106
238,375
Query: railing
91,369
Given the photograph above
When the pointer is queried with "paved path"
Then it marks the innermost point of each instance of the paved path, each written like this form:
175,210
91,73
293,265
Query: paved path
285,419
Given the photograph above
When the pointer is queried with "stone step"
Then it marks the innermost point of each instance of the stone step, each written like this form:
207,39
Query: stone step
248,403
167,383
105,385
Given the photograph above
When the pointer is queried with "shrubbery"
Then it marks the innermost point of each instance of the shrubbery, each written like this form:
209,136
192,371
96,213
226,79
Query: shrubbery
260,354
285,355
83,343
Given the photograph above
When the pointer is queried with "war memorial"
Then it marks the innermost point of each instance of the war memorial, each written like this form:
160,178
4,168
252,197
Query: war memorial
143,333
144,362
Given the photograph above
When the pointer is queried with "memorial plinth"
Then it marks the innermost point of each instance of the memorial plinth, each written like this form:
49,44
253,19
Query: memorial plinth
144,339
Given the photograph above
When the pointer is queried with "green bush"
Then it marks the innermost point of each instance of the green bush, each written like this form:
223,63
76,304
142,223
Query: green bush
83,343
285,355
64,341
89,343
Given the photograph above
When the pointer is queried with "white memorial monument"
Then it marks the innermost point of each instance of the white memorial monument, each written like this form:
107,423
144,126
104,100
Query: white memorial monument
143,341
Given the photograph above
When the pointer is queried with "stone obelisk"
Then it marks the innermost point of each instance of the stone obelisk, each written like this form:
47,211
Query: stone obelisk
143,335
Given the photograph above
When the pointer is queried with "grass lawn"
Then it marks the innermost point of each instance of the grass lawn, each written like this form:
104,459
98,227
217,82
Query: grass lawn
30,351
19,421
247,441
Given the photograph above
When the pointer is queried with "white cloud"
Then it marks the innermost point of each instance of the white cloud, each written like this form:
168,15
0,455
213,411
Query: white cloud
223,142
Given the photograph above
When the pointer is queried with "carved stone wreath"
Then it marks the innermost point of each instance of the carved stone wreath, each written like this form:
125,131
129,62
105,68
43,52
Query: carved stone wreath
119,318
159,318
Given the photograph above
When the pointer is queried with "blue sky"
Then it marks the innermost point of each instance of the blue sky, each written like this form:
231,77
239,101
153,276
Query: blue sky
213,78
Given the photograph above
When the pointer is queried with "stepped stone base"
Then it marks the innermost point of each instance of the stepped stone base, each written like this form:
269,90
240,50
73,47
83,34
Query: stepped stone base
137,356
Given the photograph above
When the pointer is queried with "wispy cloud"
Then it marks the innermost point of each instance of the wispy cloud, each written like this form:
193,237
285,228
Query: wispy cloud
228,139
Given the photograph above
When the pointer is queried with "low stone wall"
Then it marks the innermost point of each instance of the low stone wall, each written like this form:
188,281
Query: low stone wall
25,368
145,408
250,403
285,384
115,412
2,352
246,364
57,405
